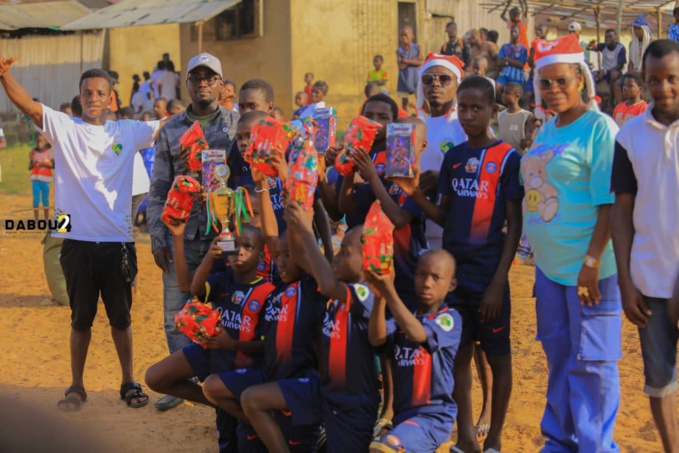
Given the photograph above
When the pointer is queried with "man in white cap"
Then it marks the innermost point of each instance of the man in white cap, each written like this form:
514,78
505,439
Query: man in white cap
204,82
575,28
439,77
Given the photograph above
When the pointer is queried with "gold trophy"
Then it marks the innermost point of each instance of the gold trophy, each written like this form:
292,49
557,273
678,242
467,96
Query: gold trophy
223,204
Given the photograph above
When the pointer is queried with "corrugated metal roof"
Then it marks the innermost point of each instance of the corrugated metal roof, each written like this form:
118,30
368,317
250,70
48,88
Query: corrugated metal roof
562,12
130,13
40,15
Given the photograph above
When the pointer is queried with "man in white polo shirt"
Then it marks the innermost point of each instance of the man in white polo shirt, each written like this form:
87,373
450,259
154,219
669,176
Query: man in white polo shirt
645,180
93,184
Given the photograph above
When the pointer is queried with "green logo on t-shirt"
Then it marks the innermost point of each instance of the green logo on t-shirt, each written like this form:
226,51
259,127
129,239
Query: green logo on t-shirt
447,146
117,148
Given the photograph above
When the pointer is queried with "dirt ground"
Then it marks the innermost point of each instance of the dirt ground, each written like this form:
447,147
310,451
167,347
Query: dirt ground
35,365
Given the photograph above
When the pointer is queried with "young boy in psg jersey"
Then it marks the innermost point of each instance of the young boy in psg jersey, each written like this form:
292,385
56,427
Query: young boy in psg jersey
420,348
479,192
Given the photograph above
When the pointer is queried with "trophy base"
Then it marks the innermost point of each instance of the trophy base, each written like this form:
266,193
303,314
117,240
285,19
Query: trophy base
227,245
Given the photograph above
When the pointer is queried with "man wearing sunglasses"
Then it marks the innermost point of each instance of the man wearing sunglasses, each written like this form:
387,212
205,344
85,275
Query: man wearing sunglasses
204,82
439,78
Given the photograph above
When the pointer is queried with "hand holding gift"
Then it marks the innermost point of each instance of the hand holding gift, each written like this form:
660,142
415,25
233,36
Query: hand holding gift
198,321
191,146
378,241
180,200
269,137
360,135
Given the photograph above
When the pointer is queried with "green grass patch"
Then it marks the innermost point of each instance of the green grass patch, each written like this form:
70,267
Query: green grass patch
16,178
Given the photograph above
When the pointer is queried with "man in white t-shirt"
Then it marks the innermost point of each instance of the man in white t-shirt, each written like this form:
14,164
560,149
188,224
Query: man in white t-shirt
93,189
439,78
168,82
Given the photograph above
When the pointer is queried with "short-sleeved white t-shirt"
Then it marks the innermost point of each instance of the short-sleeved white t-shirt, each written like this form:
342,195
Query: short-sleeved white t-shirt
93,173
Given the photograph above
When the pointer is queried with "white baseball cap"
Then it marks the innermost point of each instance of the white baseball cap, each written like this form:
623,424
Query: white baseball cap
574,26
206,60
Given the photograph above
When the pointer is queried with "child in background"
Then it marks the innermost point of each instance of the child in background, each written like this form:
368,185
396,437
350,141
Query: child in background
512,120
421,348
236,292
378,75
512,58
349,396
301,101
479,67
673,32
277,114
309,85
479,192
318,94
633,105
515,21
41,164
409,58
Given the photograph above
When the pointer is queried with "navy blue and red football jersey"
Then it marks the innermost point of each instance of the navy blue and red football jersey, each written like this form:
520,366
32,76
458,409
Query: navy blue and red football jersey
423,372
293,319
478,183
349,375
241,307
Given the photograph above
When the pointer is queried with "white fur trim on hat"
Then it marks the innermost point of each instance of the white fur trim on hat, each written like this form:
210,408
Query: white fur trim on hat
430,64
589,83
559,58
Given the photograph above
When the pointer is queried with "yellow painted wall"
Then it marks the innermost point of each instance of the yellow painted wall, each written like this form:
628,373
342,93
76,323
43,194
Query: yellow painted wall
133,50
267,57
336,40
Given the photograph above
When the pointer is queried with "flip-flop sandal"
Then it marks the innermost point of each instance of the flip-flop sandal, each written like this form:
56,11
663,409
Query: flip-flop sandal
72,403
482,430
129,398
168,402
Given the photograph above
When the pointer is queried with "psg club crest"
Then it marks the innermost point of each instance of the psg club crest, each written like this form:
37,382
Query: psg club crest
472,165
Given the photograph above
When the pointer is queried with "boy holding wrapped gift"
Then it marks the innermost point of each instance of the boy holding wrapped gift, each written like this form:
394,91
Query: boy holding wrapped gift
348,396
238,294
479,191
294,314
421,349
407,217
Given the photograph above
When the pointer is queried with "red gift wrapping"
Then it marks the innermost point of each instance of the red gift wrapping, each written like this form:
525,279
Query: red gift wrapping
180,199
378,241
193,142
268,138
360,135
303,169
198,320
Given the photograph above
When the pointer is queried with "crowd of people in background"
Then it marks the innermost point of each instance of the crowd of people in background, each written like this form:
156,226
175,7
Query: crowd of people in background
514,155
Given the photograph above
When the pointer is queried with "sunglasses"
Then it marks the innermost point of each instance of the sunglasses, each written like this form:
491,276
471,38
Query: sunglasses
561,82
444,79
196,80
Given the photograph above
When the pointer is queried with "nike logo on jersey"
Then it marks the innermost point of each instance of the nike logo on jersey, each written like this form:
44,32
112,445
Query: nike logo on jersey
457,165
498,329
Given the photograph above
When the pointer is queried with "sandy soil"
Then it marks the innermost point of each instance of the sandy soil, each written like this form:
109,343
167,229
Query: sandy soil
35,365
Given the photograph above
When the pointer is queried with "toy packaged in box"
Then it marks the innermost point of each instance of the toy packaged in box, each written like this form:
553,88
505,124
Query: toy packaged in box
212,158
303,169
400,151
378,241
360,135
326,129
192,143
198,321
268,138
180,199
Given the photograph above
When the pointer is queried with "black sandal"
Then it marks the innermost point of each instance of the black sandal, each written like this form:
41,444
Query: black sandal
72,403
129,398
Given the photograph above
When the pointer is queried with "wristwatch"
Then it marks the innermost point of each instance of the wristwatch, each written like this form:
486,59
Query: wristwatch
592,262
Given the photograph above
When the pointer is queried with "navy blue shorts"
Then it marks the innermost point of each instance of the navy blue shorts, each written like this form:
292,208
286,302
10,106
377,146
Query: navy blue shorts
659,350
419,433
301,438
199,359
494,336
349,427
303,397
248,440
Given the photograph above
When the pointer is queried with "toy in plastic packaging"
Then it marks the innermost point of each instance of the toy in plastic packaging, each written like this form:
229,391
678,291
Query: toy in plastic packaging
360,135
268,138
180,199
400,151
198,321
378,241
303,169
193,142
211,159
326,129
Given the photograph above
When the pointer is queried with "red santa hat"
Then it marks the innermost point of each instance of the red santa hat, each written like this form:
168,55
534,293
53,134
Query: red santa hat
450,62
566,49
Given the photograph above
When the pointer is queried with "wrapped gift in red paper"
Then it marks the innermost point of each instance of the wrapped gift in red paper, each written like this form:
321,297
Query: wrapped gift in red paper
198,321
303,168
193,142
378,241
268,138
180,199
360,135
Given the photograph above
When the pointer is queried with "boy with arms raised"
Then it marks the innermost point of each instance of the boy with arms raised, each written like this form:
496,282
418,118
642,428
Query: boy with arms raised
479,191
420,348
